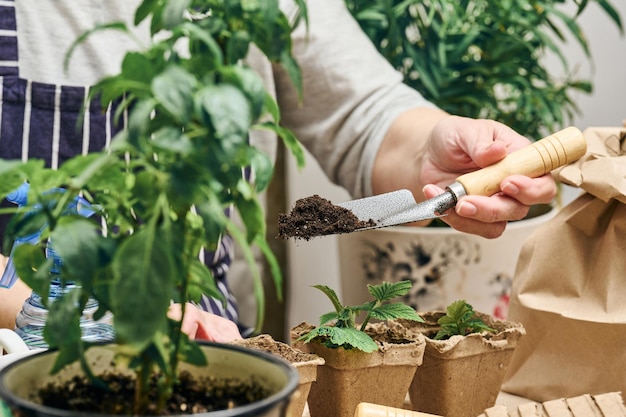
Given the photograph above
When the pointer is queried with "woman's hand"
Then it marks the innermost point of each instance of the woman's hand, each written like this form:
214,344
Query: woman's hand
458,145
426,149
201,325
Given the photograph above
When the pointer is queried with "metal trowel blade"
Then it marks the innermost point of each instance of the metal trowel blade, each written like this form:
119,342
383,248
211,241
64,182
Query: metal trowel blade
398,207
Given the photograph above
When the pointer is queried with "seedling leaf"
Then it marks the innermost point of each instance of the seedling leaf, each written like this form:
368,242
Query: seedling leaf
335,337
387,290
460,319
332,296
343,332
395,311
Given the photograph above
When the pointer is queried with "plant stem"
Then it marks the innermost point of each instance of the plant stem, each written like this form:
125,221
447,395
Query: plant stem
141,389
369,315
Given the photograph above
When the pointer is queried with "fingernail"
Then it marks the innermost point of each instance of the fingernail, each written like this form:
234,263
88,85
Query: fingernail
466,209
429,188
510,188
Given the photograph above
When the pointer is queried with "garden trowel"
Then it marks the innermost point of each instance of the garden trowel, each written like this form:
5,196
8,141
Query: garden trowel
539,158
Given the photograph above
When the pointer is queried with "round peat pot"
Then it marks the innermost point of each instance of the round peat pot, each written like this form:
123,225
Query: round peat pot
20,380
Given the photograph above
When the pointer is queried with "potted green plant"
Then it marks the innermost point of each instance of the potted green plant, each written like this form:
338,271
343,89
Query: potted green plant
161,190
485,58
465,360
360,359
478,59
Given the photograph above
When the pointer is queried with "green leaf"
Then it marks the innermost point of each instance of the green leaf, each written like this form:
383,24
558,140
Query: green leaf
353,338
139,120
227,109
137,67
328,317
82,168
293,70
144,10
215,56
262,168
388,290
250,83
250,211
332,296
33,268
290,141
214,220
5,411
172,139
347,338
63,322
274,266
174,12
271,106
174,88
14,173
395,311
237,46
83,37
81,246
613,13
144,269
249,257
201,281
460,319
191,352
68,354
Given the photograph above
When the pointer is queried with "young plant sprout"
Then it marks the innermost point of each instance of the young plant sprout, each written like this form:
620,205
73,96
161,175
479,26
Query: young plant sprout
339,328
460,319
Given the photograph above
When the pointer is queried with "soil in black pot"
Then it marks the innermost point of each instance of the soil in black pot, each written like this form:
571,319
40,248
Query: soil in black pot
316,216
191,395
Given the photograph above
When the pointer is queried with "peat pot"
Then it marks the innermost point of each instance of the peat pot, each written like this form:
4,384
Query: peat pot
443,264
350,377
305,363
461,376
19,379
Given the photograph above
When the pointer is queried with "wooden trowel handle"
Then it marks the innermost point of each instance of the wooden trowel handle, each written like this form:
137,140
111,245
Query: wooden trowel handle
376,410
559,149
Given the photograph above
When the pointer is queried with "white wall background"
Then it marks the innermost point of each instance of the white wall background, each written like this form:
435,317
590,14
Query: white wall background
316,261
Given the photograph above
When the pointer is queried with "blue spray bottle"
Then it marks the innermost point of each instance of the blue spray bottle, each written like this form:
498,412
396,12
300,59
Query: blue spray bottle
31,320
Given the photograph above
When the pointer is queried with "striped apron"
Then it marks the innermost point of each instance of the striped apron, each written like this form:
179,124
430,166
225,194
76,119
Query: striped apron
39,120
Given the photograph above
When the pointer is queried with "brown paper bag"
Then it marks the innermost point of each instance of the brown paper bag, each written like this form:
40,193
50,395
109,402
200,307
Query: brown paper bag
569,289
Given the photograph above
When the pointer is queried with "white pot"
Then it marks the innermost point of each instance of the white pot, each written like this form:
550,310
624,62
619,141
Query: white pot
443,264
11,342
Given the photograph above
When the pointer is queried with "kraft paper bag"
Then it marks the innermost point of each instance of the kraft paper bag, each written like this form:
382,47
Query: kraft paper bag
569,288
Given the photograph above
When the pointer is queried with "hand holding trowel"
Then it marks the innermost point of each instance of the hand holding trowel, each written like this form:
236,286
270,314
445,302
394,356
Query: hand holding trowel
400,207
535,160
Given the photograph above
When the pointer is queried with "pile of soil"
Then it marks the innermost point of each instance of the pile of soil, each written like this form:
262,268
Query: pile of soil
191,395
316,216
266,343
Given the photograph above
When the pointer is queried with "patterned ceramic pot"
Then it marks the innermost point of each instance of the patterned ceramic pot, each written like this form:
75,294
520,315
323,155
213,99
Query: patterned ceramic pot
443,264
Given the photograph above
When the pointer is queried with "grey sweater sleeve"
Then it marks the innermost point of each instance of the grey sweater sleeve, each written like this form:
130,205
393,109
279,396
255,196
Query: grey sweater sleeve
351,95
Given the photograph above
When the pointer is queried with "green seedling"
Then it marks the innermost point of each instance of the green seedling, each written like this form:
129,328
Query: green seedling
339,328
460,319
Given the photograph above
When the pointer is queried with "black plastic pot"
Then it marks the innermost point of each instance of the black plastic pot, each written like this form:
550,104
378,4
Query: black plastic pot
19,379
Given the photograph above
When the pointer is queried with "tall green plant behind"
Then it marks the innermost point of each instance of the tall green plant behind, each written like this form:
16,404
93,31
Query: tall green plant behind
163,187
484,58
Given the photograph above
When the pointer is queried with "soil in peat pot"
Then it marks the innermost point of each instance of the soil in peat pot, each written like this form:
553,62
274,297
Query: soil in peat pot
191,395
266,343
315,216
